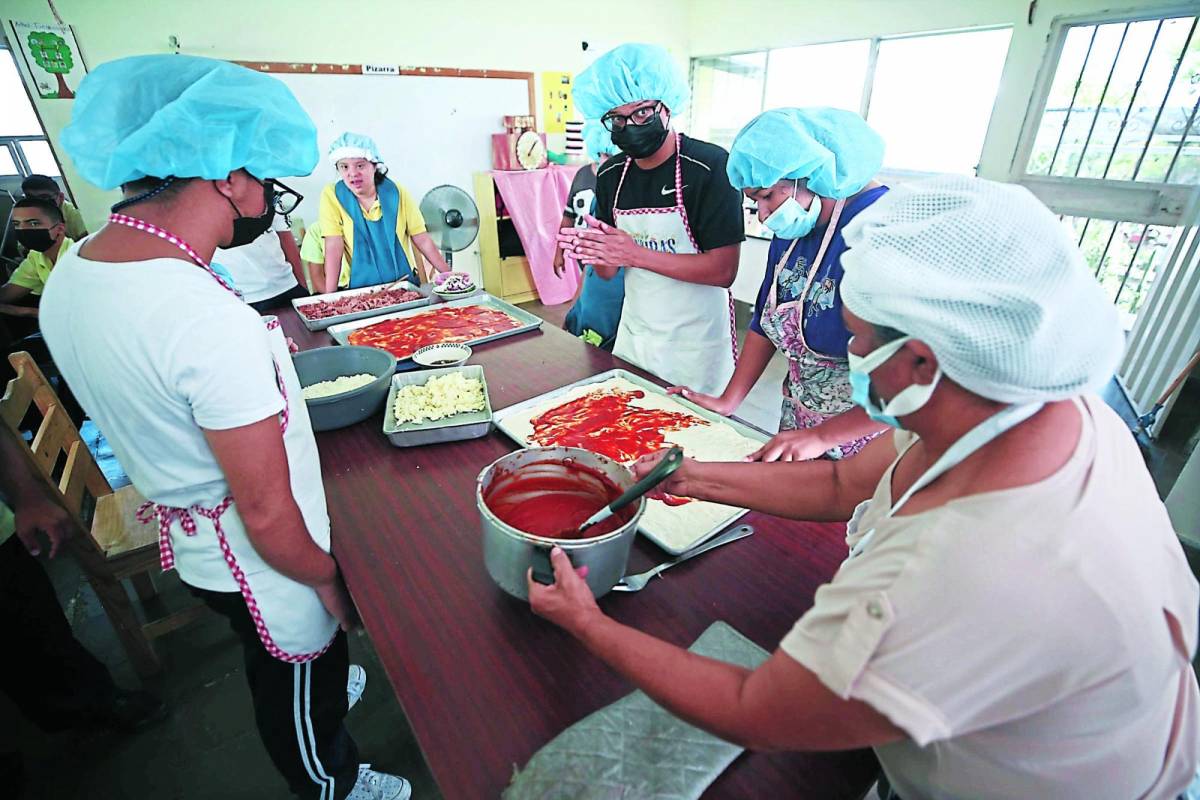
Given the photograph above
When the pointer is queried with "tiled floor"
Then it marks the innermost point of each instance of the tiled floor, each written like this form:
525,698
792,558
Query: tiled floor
208,747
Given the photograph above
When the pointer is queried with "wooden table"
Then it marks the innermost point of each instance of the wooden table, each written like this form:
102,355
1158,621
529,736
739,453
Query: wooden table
484,683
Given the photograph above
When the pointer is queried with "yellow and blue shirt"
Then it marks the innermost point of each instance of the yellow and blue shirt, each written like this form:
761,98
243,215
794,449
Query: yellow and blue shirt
336,221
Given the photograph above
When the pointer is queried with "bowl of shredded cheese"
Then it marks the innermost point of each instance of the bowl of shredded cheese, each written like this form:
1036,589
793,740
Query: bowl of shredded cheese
438,405
343,385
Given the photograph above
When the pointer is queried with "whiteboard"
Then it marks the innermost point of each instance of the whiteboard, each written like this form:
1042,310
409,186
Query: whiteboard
430,130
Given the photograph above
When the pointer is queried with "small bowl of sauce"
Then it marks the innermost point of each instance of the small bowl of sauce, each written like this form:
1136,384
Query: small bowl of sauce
442,355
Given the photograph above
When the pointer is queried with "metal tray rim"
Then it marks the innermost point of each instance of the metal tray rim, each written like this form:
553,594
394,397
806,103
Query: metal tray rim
531,322
326,322
743,428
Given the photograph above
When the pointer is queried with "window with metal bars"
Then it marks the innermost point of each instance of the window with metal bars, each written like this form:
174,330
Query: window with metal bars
1112,144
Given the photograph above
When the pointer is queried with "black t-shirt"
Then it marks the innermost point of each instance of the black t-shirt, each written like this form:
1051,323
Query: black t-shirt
582,192
713,206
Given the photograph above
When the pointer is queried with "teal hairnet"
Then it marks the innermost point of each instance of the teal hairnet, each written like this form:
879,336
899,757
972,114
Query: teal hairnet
835,150
354,145
597,141
188,117
629,74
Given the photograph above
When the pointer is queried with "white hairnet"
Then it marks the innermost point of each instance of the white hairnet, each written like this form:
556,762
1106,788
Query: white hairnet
985,275
353,145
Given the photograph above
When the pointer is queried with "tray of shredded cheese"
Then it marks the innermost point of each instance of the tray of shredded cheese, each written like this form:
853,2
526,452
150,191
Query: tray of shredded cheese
437,405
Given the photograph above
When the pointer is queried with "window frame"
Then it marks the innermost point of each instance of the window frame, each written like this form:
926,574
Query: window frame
868,87
1143,202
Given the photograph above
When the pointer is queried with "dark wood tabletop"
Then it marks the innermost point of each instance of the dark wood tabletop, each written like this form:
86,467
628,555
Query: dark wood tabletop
484,683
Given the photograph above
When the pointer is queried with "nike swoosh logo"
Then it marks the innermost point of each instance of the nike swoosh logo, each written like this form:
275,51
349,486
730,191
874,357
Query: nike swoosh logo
671,189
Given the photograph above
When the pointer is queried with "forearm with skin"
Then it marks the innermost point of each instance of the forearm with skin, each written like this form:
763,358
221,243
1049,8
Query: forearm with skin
713,268
699,690
847,427
277,530
335,246
812,490
424,243
752,362
18,311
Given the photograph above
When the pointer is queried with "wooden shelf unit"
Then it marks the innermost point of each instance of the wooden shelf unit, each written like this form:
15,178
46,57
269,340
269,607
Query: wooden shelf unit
506,278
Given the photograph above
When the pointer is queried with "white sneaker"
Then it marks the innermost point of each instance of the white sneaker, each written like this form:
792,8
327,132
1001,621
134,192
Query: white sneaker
372,785
356,681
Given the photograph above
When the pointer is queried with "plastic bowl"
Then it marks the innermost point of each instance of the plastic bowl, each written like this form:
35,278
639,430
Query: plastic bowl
347,408
442,355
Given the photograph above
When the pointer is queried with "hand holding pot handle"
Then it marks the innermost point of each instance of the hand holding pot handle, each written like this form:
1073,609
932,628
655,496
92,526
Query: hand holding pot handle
568,602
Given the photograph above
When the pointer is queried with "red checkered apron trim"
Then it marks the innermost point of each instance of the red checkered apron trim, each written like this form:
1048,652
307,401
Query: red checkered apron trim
166,515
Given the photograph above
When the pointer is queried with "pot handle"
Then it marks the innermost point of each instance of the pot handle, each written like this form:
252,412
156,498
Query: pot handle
543,571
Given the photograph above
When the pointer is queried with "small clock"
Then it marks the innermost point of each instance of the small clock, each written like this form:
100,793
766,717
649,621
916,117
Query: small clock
531,150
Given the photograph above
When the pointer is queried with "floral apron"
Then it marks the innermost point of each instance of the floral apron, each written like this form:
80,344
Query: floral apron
817,386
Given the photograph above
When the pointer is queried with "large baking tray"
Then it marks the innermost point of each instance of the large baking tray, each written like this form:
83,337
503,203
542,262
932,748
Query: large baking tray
321,324
468,425
528,322
749,431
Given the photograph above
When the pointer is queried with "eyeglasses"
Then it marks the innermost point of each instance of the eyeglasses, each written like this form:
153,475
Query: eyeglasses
640,116
284,199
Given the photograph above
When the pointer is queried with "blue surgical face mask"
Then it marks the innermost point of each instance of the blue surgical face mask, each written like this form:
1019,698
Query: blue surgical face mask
911,399
791,221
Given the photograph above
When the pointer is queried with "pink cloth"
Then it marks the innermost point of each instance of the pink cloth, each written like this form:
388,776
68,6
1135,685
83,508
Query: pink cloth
535,199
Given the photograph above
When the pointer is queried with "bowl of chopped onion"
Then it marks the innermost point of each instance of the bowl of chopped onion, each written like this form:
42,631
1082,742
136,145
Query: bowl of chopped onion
343,385
453,284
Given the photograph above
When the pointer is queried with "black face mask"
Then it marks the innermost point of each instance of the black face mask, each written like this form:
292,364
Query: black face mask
35,239
247,229
640,141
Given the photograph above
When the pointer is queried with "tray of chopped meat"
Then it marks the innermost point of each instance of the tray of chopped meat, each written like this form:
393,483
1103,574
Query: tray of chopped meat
322,310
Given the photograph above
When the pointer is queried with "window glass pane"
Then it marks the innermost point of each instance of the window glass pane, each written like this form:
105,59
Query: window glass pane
7,165
40,159
17,118
726,94
818,75
933,98
1120,104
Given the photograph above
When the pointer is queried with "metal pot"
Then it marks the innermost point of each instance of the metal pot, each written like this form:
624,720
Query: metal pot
509,553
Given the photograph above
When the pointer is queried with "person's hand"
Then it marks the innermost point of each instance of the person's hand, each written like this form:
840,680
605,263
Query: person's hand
293,348
560,263
714,403
600,244
42,516
337,602
676,483
568,602
799,445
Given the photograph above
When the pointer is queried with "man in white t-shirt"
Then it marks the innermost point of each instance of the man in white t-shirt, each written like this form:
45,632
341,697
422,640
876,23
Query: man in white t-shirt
268,271
198,394
1015,617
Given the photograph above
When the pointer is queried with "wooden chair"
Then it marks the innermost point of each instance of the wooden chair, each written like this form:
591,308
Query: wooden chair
111,544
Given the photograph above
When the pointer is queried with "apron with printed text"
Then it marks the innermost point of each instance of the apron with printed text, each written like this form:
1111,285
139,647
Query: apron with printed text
682,332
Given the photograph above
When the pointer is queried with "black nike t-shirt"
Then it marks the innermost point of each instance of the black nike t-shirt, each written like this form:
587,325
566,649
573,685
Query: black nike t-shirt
713,206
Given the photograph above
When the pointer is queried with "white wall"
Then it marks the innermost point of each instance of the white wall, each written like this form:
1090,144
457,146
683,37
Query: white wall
470,34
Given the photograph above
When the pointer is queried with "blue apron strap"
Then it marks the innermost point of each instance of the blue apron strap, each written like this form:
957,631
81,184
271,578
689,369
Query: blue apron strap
378,256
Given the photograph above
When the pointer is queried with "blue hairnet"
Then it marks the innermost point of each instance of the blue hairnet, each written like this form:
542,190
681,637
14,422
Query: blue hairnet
354,145
628,74
186,116
835,150
597,141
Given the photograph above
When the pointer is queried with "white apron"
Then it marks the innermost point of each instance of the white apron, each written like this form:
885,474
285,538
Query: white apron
682,332
292,622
